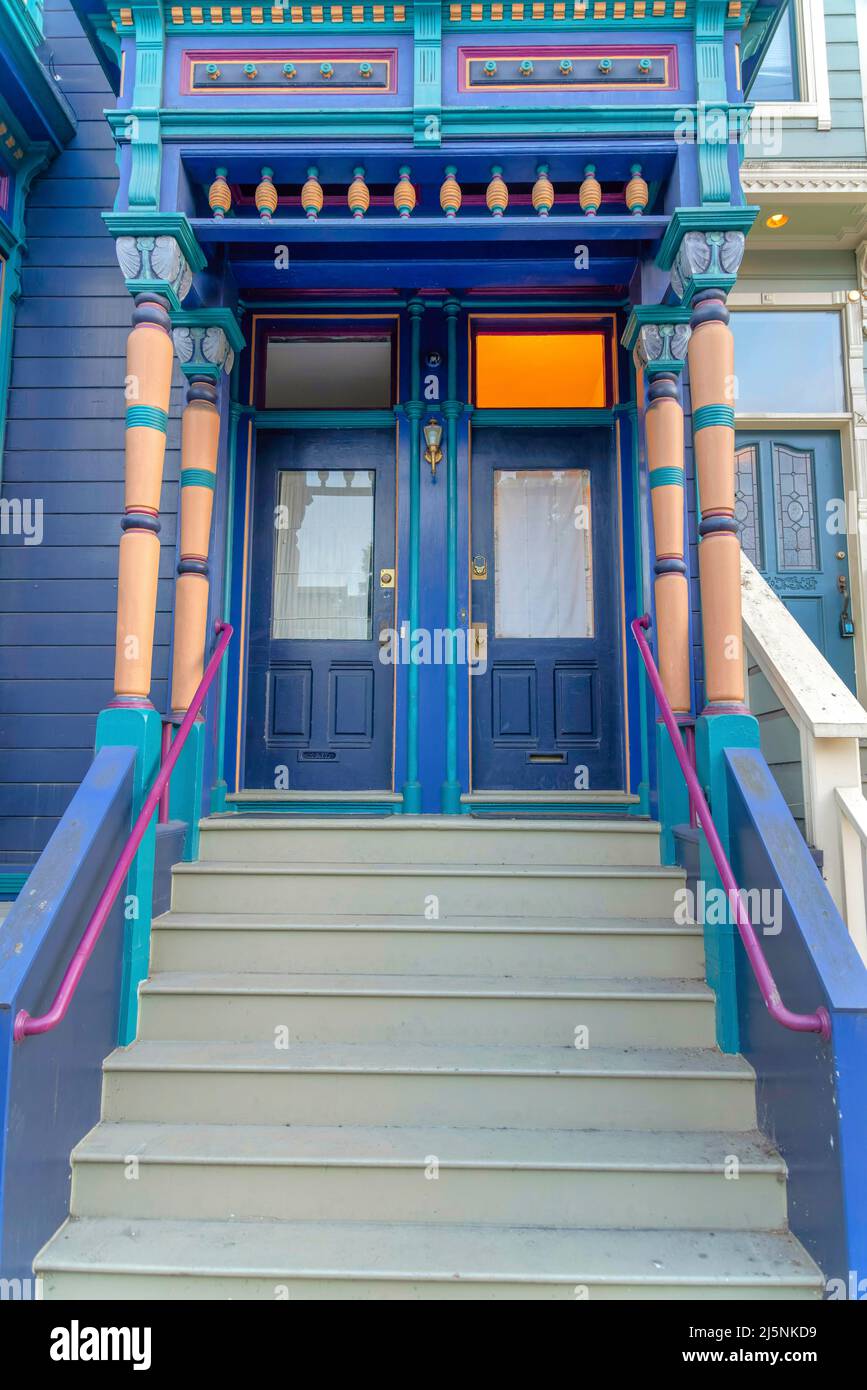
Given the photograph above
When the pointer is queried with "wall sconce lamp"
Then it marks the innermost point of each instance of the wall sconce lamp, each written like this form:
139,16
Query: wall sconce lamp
433,434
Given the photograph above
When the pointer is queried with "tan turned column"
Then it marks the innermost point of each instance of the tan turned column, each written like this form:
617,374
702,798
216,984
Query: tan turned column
200,433
663,425
711,375
148,382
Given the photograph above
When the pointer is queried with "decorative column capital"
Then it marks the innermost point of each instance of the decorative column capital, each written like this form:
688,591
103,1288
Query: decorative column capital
658,336
703,249
206,341
156,252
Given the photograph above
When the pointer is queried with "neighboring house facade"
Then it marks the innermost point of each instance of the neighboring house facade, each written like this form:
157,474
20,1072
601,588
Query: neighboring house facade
456,279
802,438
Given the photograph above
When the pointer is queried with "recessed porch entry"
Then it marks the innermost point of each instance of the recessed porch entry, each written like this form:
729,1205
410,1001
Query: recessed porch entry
539,603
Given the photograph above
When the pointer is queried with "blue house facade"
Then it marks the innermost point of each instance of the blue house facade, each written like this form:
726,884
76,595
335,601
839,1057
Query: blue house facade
452,277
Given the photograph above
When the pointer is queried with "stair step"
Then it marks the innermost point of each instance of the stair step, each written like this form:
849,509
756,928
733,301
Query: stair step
429,840
425,1009
493,890
109,1258
185,941
426,1084
582,1178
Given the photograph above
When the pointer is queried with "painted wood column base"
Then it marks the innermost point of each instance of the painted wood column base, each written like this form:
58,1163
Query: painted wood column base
714,733
140,729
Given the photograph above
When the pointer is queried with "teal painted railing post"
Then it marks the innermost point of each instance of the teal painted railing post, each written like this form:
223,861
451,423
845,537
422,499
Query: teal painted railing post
414,409
714,733
138,727
673,795
452,408
186,786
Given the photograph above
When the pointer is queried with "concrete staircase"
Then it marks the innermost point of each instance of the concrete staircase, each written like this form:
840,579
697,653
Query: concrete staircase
357,1077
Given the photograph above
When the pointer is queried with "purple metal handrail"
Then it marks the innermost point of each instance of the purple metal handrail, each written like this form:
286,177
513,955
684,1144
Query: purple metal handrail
820,1021
25,1026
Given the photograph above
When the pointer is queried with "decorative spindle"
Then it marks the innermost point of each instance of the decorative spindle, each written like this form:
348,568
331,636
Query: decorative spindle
266,196
605,66
566,67
497,196
590,192
312,196
525,67
290,72
251,72
636,192
450,192
404,193
220,194
213,71
358,194
543,191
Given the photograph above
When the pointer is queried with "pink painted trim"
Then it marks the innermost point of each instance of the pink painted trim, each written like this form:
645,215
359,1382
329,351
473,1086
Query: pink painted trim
667,51
818,1022
286,55
26,1026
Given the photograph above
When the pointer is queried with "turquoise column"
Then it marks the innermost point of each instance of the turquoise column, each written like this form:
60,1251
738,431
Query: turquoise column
452,408
414,410
236,414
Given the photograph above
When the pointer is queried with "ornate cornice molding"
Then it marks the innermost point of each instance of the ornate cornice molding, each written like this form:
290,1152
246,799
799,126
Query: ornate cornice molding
831,182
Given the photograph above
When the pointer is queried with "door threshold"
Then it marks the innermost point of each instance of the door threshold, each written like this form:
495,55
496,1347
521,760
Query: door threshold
287,803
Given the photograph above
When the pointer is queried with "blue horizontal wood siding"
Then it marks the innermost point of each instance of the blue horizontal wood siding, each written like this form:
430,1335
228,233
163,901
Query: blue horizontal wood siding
64,445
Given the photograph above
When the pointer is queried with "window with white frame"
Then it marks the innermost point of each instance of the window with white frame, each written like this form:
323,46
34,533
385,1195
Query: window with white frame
792,82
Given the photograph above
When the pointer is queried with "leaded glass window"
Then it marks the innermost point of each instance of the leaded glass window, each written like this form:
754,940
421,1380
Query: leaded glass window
748,503
795,496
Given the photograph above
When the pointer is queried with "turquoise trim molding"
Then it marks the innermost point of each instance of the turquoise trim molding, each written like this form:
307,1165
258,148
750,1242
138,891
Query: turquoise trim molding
250,806
712,141
414,409
324,419
143,116
146,417
236,417
670,476
452,409
427,93
706,416
198,477
523,419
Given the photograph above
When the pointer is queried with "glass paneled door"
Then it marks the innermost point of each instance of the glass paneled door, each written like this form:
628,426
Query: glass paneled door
320,702
789,504
547,699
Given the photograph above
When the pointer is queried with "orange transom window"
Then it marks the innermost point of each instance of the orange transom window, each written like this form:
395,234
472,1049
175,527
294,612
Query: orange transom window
540,370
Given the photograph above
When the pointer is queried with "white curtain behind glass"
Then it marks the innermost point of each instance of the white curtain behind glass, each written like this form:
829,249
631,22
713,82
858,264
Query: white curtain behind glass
323,554
543,561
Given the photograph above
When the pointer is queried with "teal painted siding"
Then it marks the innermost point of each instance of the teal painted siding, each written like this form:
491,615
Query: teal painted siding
64,445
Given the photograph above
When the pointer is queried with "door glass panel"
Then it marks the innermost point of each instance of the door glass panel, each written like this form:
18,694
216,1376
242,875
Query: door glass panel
747,503
795,508
323,555
543,565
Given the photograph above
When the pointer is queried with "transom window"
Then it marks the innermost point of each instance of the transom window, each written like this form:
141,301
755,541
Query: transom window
771,350
329,373
540,370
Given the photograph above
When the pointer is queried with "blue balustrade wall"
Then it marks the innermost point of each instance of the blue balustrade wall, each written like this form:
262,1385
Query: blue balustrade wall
64,447
50,1084
811,1096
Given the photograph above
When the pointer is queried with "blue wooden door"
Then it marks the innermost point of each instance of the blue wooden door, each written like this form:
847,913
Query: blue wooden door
547,699
789,502
320,702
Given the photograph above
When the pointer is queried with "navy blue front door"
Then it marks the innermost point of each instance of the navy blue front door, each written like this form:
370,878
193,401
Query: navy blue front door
320,702
790,505
547,711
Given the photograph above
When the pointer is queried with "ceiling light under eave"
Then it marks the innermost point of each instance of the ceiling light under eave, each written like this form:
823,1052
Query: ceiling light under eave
776,220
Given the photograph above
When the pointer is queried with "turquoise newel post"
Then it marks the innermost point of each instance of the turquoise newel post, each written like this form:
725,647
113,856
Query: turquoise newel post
703,249
452,408
414,409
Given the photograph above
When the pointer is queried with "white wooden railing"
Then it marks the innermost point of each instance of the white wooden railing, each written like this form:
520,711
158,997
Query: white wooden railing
829,722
